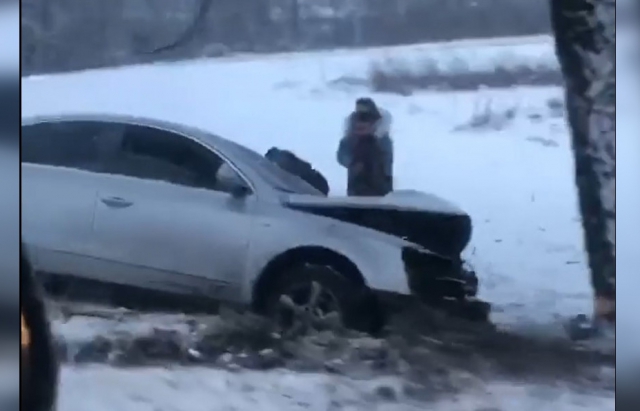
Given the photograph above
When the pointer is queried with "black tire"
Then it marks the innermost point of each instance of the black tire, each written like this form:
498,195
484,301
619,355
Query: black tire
357,306
39,377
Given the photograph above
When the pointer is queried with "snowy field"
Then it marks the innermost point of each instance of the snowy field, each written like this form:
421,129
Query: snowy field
504,156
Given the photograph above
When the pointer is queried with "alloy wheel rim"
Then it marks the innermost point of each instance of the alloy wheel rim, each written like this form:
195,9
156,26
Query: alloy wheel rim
307,306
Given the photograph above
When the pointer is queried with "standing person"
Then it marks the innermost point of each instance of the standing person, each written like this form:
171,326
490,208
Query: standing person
366,150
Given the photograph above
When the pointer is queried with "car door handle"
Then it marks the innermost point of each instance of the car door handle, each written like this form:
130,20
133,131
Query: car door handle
116,202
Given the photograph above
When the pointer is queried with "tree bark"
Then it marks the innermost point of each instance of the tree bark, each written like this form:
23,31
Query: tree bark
585,44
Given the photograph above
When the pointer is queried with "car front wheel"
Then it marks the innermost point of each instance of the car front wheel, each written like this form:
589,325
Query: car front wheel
315,296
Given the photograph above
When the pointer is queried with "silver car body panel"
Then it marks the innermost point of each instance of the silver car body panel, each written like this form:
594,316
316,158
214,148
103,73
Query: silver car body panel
190,240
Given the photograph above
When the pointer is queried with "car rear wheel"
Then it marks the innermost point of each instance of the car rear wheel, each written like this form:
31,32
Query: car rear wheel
314,296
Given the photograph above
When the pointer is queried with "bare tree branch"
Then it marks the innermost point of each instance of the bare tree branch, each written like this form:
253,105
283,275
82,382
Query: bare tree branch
191,31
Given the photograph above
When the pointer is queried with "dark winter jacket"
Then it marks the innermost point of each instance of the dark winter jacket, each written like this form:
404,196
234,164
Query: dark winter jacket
295,165
367,173
368,159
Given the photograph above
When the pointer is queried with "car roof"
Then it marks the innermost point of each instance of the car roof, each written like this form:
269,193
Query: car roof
178,128
243,157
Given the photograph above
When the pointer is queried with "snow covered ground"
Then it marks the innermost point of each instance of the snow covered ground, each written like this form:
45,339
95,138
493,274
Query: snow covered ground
504,156
98,387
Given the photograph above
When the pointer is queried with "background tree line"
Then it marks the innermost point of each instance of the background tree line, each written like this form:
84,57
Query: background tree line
62,35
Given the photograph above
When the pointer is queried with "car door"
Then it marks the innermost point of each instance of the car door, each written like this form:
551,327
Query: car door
59,166
163,222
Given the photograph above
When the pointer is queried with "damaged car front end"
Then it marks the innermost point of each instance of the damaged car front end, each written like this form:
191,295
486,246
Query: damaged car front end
447,284
435,233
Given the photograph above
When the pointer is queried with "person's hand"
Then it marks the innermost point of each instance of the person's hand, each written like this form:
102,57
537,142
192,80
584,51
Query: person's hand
363,129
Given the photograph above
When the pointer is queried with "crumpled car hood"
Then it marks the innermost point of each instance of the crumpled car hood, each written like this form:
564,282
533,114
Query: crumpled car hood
405,200
421,218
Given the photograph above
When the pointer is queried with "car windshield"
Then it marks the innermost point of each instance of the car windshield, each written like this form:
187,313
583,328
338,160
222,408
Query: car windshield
275,176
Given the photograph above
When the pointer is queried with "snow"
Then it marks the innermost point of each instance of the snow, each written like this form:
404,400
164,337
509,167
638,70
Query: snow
83,328
513,174
99,388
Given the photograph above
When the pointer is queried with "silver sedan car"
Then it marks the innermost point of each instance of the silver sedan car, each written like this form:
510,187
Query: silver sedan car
148,205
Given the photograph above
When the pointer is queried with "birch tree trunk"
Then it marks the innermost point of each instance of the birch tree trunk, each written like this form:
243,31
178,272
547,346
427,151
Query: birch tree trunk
585,44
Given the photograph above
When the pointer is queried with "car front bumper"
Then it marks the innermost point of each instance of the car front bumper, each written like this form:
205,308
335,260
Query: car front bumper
450,285
432,277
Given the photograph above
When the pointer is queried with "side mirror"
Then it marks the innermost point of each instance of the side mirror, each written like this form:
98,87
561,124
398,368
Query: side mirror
228,180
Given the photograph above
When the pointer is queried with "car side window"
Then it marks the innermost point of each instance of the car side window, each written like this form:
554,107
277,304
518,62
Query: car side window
155,154
64,144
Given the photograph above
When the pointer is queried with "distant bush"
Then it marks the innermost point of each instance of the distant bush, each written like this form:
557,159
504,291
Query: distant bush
395,77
